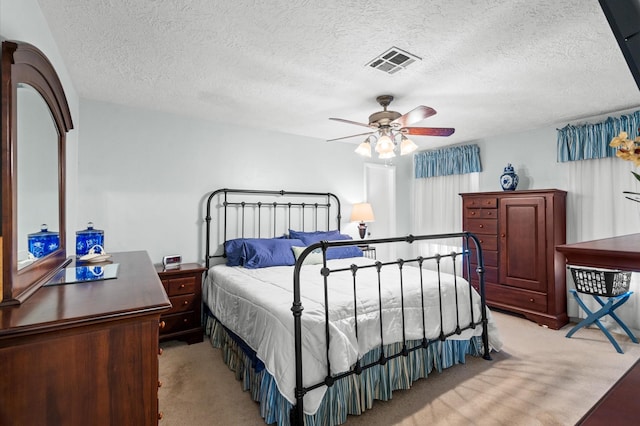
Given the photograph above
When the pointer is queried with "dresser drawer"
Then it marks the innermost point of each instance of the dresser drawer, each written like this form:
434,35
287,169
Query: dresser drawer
490,274
482,226
524,299
488,242
481,213
179,322
490,258
183,303
480,202
177,286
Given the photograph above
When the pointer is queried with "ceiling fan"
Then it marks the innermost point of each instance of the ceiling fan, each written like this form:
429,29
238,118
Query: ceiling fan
389,126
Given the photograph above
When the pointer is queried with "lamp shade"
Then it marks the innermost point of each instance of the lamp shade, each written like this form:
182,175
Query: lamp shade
362,212
364,149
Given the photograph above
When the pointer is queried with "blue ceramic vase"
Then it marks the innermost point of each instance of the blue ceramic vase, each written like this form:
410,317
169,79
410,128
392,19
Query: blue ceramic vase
509,179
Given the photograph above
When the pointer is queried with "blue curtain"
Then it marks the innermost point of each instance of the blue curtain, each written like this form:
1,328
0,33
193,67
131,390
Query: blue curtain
455,160
590,141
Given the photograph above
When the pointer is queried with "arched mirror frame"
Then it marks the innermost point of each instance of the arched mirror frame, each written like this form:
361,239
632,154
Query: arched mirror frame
22,63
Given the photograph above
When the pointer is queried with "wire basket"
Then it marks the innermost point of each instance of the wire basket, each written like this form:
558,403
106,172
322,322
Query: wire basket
603,282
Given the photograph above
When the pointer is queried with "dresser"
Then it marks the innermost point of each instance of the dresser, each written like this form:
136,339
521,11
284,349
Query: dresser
183,285
85,353
518,233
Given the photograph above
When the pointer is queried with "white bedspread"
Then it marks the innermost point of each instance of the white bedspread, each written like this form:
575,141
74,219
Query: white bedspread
256,305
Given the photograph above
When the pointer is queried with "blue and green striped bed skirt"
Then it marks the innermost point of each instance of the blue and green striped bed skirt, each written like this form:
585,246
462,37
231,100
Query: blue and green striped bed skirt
350,395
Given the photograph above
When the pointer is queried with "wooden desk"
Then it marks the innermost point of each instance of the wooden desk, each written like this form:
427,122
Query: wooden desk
612,253
85,353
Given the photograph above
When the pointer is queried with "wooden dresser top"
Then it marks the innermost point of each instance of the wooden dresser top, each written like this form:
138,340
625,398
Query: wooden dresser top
137,290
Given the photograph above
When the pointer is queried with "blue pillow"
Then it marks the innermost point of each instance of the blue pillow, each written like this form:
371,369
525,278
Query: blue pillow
309,238
343,252
262,253
235,251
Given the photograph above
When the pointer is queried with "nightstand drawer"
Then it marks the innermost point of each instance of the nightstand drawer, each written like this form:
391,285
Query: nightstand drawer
182,303
178,322
177,286
183,285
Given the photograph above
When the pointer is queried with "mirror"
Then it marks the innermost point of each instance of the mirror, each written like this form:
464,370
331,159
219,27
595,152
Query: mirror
35,120
37,182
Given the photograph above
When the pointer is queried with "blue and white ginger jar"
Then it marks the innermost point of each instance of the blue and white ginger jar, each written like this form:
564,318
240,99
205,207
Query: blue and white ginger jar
509,179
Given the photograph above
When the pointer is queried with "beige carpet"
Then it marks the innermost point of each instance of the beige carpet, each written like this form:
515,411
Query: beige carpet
539,378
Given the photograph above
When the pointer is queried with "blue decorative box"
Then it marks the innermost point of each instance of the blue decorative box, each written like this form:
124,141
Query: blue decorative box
44,242
88,239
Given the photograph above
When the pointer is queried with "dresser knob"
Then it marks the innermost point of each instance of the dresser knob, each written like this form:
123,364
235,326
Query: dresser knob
186,302
481,226
159,384
473,213
181,285
503,235
186,320
162,324
481,241
160,415
531,300
159,351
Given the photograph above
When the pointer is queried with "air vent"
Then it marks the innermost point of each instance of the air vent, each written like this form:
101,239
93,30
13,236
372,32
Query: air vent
393,60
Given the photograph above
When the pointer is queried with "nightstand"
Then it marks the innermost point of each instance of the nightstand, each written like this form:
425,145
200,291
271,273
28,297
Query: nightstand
183,285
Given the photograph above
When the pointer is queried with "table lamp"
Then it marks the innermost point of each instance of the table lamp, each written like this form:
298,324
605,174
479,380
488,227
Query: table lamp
362,212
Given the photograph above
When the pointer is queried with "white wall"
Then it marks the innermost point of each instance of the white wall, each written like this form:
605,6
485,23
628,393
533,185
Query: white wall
532,154
22,20
144,175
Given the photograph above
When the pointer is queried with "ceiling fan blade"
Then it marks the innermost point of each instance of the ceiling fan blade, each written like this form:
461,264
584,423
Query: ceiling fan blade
428,131
414,116
347,137
351,122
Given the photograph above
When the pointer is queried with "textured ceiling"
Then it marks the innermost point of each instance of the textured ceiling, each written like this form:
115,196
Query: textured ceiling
488,66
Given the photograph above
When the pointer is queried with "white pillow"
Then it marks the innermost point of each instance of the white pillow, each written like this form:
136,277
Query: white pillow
312,258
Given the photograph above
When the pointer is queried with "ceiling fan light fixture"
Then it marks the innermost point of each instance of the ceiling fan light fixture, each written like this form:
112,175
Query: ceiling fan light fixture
364,149
407,146
384,144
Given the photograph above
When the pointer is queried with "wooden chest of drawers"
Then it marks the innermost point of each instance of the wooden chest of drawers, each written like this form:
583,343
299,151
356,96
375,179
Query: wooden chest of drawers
518,232
184,288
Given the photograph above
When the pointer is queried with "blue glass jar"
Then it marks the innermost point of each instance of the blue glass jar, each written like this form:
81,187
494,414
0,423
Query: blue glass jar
88,239
44,242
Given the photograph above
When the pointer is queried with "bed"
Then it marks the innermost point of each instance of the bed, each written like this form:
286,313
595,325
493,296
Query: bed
315,330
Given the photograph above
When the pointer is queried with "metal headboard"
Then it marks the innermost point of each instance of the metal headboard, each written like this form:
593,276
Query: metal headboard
270,203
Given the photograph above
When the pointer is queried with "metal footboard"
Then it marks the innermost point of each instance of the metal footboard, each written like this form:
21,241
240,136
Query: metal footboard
470,245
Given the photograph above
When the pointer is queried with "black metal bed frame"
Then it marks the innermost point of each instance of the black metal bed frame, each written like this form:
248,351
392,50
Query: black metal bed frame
272,206
297,412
